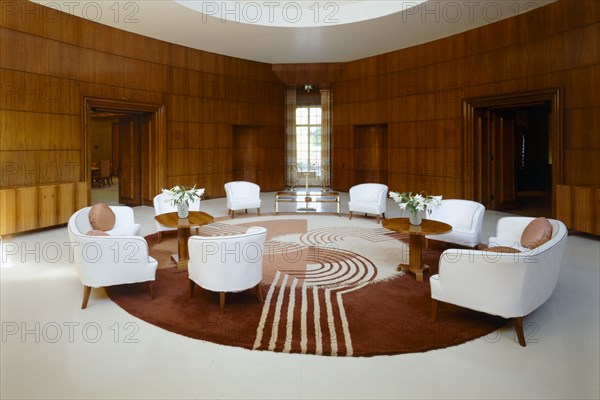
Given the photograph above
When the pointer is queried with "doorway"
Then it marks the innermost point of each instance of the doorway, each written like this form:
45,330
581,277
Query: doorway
137,147
513,152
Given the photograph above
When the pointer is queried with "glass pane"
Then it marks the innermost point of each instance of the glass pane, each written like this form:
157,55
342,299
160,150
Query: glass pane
301,116
315,115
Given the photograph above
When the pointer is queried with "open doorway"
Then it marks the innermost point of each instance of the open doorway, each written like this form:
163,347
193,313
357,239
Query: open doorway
130,136
513,151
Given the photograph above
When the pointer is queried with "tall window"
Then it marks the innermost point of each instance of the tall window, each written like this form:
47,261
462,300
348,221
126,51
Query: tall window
308,139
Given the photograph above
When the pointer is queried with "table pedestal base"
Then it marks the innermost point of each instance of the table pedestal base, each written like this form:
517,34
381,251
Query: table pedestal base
183,234
418,272
415,263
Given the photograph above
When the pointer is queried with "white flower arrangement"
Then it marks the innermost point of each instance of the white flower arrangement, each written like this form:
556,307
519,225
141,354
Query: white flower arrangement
417,204
178,195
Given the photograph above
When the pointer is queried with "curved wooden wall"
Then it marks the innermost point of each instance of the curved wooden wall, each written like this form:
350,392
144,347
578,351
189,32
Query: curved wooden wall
50,61
225,116
417,93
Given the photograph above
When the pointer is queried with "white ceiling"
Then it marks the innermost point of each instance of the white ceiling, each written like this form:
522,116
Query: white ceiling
280,31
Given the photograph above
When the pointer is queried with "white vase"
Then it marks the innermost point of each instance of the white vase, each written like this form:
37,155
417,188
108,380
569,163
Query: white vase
183,210
416,218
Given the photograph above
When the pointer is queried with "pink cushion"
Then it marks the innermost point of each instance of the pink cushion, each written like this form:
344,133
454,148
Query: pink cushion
502,249
538,232
102,218
97,232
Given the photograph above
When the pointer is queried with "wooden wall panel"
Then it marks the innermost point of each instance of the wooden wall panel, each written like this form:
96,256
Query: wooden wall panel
579,208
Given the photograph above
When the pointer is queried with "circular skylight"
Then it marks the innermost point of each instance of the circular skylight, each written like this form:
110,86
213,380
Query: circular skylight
296,14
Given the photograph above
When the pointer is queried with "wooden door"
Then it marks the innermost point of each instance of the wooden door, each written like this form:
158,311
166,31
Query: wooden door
503,173
483,156
146,127
129,161
115,149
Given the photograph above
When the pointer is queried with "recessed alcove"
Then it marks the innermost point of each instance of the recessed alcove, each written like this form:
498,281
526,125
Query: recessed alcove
370,153
257,156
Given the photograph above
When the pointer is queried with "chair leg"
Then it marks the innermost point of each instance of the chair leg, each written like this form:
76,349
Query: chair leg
377,218
86,296
258,209
383,215
232,214
259,295
518,322
350,215
222,302
152,292
228,211
197,231
192,285
434,309
159,236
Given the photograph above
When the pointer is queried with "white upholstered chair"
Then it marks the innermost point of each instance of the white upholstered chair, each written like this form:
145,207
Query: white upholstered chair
227,263
162,205
242,195
120,258
510,285
368,198
466,219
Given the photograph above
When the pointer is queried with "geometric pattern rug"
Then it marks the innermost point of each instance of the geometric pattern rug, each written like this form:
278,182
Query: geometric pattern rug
330,287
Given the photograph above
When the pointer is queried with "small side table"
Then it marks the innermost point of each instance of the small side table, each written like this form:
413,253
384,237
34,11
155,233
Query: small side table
172,220
415,240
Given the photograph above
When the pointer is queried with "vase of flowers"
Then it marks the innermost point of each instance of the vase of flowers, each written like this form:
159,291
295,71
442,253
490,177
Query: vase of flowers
181,197
417,206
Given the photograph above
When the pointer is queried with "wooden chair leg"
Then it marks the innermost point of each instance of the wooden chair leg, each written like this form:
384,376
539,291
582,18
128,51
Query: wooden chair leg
86,296
228,211
159,236
518,322
197,231
152,292
259,295
192,285
222,302
350,215
434,309
377,218
258,209
232,214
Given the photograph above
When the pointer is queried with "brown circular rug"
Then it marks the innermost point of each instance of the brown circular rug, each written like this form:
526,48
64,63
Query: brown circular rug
330,288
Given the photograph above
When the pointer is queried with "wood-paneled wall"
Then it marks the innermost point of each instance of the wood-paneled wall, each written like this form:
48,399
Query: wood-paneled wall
418,93
225,113
50,61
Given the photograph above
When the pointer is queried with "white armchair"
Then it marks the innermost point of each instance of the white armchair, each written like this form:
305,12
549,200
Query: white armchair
119,258
368,198
227,263
162,205
466,219
510,285
242,195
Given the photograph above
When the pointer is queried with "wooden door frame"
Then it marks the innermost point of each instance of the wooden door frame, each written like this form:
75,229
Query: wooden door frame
158,143
472,169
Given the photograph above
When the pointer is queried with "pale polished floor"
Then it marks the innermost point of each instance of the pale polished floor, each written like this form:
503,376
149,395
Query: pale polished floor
51,348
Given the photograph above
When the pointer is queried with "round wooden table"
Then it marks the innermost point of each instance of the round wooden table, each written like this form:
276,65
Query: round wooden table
415,240
172,220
